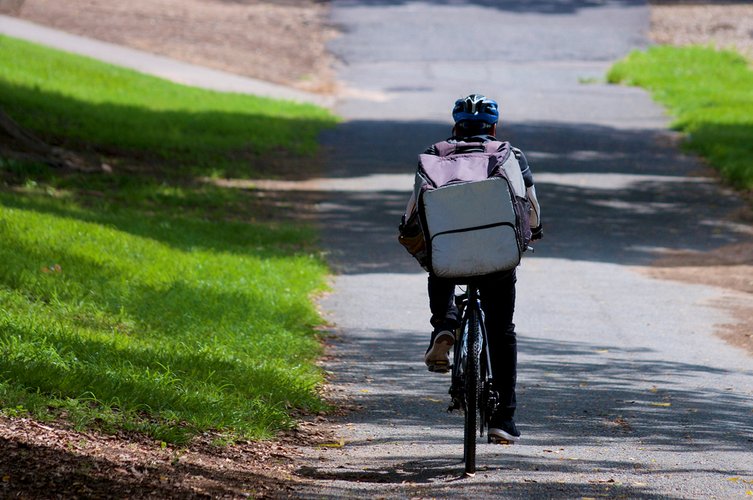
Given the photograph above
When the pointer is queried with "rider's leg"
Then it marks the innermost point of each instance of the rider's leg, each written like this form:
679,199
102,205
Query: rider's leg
498,302
444,313
444,320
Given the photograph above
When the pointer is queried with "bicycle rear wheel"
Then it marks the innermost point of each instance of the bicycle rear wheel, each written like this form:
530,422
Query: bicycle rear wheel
472,390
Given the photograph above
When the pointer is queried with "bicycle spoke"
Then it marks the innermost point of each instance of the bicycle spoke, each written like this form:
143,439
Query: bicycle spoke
472,374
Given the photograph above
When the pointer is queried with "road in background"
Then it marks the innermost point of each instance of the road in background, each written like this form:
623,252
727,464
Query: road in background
624,390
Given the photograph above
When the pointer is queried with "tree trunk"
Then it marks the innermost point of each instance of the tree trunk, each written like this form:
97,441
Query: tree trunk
34,149
23,137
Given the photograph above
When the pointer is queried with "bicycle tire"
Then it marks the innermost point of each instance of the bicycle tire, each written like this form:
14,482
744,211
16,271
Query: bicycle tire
472,390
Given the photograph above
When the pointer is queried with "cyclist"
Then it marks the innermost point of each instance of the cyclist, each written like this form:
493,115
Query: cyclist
476,118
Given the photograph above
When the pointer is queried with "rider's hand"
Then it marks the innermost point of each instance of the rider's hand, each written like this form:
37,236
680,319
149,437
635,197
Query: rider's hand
537,233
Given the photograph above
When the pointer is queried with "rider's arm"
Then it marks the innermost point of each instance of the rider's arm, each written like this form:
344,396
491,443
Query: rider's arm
410,209
525,169
536,228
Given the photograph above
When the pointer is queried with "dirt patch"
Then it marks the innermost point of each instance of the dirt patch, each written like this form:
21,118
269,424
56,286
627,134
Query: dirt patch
720,24
277,41
739,334
729,267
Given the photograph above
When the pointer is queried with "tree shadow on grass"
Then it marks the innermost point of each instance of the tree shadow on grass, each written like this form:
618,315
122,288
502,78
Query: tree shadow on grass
168,143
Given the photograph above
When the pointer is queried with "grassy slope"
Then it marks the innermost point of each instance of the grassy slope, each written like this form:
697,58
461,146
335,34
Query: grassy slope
81,103
709,93
144,300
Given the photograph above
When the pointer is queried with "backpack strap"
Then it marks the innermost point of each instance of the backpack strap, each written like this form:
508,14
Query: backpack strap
493,146
445,148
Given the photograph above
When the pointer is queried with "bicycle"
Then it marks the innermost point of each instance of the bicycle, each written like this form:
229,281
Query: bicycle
472,388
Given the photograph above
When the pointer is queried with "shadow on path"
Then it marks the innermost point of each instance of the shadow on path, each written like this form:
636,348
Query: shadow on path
558,7
616,196
598,384
602,396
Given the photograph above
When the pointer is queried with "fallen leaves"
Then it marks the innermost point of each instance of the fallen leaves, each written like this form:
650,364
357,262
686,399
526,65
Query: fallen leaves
617,422
740,480
339,444
54,268
433,400
603,481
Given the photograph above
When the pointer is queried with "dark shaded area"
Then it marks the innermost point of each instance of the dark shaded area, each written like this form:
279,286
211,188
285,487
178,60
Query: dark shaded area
554,7
497,489
698,2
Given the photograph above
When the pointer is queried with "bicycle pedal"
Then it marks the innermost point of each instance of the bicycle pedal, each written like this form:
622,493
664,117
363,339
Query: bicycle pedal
454,405
439,368
499,440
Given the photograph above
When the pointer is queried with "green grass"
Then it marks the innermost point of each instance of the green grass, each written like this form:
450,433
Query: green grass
710,95
84,104
147,300
194,322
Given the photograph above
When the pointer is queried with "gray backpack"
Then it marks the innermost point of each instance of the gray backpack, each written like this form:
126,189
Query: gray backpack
473,209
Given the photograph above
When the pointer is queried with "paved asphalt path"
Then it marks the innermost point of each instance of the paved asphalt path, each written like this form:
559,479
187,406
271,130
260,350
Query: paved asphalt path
624,390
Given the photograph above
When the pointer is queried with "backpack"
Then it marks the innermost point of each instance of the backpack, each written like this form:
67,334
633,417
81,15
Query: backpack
471,210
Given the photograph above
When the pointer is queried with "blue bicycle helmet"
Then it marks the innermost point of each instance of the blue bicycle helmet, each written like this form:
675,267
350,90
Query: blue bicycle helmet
476,108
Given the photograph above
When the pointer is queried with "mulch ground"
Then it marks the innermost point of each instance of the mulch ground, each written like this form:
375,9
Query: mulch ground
50,460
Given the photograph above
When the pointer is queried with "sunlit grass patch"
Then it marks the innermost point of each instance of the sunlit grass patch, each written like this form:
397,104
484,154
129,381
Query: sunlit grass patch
209,325
710,95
